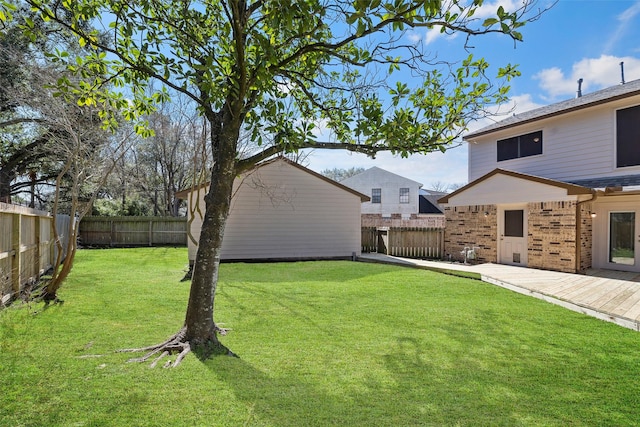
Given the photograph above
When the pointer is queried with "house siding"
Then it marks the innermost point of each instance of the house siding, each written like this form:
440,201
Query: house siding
468,226
603,206
279,211
390,185
576,145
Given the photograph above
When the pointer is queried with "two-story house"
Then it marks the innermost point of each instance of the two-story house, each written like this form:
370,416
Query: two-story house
395,201
556,188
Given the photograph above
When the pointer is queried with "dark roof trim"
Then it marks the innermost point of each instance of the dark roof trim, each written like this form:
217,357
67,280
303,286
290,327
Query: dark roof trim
600,97
183,194
572,189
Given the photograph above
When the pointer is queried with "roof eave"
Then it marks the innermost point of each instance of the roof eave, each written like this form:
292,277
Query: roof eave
485,131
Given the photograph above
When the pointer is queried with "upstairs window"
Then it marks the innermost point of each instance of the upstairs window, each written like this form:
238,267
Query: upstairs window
404,195
376,195
520,146
628,137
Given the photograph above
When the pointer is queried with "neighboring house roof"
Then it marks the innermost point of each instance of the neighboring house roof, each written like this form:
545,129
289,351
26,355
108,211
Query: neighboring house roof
376,169
429,204
429,201
572,189
183,194
432,193
603,96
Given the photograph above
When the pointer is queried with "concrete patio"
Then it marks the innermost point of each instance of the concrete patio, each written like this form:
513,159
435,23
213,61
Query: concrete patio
613,296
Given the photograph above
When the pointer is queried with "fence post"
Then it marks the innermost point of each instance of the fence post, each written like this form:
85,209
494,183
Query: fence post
112,239
38,238
52,246
16,264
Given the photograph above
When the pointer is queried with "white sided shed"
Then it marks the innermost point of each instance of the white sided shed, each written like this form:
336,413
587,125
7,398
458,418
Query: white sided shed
283,211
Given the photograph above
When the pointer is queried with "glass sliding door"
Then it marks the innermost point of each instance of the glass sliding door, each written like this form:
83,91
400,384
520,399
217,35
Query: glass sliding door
622,233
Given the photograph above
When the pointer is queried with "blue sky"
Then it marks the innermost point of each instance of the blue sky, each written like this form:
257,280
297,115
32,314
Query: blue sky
575,39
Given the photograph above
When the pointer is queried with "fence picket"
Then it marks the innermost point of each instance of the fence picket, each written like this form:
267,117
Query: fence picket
133,231
27,248
410,242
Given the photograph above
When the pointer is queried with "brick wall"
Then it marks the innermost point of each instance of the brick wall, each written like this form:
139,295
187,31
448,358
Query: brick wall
551,229
471,226
586,236
552,236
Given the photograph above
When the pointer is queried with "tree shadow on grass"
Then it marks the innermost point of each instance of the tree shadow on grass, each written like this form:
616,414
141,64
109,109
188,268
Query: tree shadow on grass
297,400
415,390
421,385
301,271
298,307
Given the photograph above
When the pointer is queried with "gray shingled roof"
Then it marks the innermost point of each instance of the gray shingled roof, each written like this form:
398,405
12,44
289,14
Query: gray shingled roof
589,100
612,181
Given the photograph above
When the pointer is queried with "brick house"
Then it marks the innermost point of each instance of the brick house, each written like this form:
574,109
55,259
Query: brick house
555,188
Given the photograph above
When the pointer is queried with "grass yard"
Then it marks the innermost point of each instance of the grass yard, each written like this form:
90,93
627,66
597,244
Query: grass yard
321,344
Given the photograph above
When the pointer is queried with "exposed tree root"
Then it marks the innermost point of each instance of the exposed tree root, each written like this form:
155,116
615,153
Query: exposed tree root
180,345
188,275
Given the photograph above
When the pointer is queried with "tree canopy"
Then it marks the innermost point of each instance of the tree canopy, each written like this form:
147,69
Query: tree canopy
281,69
294,65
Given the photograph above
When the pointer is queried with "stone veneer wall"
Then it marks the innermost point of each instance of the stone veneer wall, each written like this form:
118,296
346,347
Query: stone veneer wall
396,221
552,236
468,226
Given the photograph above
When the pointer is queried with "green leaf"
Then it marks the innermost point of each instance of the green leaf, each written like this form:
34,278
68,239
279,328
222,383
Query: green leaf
489,22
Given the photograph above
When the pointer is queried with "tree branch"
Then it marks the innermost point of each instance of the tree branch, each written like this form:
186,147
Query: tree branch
20,120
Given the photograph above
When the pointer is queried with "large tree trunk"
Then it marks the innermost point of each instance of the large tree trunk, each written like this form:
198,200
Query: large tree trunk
200,332
201,328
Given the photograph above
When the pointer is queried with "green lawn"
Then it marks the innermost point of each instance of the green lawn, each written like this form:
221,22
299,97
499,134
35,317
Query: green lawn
321,344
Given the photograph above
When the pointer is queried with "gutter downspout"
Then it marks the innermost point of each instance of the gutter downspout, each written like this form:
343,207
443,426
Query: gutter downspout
594,196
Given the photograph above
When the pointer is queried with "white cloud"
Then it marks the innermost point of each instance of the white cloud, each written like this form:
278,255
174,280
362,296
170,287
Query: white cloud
625,20
489,9
516,105
485,11
435,34
522,103
414,36
597,73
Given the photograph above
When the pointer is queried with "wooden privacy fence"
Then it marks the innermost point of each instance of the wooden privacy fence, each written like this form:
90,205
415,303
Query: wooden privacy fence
410,242
27,248
133,231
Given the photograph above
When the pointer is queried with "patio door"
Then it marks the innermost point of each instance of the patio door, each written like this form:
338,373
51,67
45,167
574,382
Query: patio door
512,228
623,251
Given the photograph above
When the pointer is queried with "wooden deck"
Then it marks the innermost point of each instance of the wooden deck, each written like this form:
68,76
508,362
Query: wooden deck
613,296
